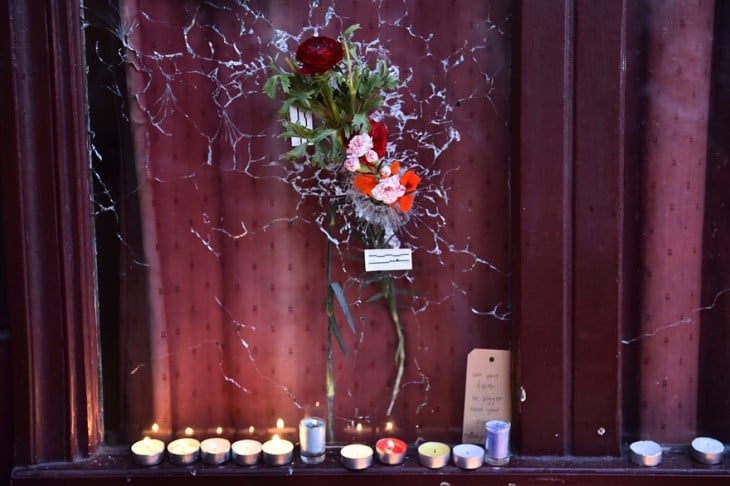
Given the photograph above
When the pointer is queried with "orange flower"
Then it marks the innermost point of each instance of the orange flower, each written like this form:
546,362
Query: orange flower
365,183
394,168
405,203
410,181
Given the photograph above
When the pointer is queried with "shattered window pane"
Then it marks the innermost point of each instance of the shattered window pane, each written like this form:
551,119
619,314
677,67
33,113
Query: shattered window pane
214,250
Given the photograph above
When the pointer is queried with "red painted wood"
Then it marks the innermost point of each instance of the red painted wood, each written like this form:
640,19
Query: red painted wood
46,204
714,381
605,178
543,178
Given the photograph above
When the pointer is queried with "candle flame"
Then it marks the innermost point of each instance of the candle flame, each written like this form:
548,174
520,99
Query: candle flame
155,427
251,429
280,423
390,445
316,404
275,438
219,430
389,426
146,440
358,427
189,431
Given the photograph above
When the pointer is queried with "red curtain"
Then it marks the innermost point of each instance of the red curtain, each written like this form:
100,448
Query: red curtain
230,330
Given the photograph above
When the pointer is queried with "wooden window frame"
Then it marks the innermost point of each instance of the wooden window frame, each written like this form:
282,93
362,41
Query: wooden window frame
574,185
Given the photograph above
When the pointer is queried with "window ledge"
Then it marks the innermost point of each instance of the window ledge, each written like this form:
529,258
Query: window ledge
113,465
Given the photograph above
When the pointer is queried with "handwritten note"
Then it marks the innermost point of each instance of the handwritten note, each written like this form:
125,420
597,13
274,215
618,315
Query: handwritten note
388,259
487,395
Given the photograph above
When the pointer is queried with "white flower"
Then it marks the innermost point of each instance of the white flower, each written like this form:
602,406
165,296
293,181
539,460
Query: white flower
388,190
385,171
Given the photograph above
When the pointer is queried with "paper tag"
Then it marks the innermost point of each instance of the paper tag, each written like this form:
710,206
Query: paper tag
303,118
388,259
487,395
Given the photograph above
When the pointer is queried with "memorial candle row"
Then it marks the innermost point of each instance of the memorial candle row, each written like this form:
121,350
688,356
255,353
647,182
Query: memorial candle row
278,451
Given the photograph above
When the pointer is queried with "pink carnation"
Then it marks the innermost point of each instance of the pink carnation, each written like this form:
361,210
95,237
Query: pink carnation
352,163
388,190
360,145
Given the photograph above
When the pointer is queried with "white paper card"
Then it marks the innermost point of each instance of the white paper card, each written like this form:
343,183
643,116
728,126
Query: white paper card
300,117
487,395
388,259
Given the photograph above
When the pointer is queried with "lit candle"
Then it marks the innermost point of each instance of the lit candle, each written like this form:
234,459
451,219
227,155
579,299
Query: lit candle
148,452
277,452
311,440
645,453
468,456
356,456
497,442
282,430
215,451
707,450
391,450
246,452
434,455
183,451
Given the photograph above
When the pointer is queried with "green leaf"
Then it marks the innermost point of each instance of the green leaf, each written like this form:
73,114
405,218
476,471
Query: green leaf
342,301
374,297
347,33
338,335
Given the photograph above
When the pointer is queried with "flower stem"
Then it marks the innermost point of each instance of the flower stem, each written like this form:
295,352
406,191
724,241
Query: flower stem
388,286
330,310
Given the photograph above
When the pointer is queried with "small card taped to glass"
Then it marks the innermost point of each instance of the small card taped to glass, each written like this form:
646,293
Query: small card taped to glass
382,259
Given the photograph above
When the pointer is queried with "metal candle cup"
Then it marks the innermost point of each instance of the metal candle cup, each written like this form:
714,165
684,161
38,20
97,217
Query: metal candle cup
148,452
497,442
356,456
468,456
183,451
215,451
434,455
706,450
646,453
277,452
312,440
390,450
246,452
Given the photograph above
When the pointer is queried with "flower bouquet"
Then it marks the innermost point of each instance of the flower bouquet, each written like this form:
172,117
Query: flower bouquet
366,193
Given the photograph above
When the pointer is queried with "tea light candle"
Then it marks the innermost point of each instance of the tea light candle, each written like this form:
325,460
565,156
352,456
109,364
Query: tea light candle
311,440
706,450
390,450
468,456
183,451
246,452
356,456
148,452
497,442
646,453
277,452
215,451
434,455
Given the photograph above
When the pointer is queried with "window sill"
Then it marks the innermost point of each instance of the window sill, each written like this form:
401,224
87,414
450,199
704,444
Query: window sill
113,465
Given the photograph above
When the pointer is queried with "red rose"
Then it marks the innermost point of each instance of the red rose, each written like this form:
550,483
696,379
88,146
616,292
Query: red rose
379,134
318,54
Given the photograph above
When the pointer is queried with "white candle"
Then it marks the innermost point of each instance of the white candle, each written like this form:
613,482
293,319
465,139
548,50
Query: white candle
468,456
277,452
646,453
215,451
183,451
148,452
356,456
707,450
312,440
434,455
246,452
